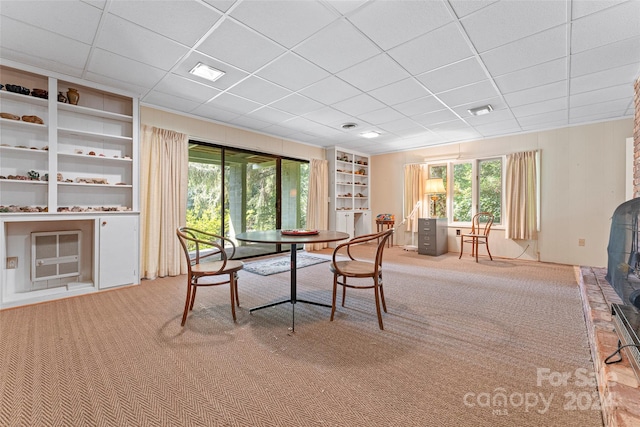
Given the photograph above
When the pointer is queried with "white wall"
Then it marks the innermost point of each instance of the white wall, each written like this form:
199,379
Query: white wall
582,182
206,131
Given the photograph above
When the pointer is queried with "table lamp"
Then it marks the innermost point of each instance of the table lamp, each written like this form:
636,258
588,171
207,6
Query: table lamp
433,187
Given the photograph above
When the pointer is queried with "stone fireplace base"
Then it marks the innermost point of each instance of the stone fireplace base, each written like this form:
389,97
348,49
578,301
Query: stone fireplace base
618,385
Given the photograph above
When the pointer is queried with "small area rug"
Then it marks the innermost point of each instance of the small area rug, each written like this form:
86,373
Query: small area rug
281,264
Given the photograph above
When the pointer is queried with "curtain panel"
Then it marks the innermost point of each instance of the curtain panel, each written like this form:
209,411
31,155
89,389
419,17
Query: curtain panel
521,198
317,204
163,201
415,176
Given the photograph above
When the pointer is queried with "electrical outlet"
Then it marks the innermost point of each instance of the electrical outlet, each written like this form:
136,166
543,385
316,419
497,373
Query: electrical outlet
12,262
457,232
581,242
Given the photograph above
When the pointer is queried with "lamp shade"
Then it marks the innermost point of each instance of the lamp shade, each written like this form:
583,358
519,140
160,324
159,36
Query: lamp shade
434,186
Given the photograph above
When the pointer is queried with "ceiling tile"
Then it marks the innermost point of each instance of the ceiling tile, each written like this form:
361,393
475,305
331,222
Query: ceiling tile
271,115
249,122
477,92
419,106
583,8
127,87
381,116
404,20
411,55
373,73
602,95
465,7
455,75
337,47
435,117
240,47
259,90
358,105
221,5
498,128
281,131
184,22
537,94
292,72
187,89
602,110
507,21
329,116
169,101
608,26
57,48
346,6
150,48
124,69
606,57
535,108
497,104
233,103
546,118
537,49
538,75
297,104
285,22
399,92
330,90
214,113
54,16
602,79
400,125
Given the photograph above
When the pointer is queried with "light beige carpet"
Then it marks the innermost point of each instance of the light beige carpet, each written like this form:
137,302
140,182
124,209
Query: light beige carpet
458,337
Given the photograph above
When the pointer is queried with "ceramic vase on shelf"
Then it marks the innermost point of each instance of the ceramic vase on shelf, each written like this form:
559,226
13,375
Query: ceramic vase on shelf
62,98
73,96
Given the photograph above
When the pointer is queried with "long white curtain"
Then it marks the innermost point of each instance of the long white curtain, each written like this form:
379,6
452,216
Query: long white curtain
415,176
163,200
317,204
521,197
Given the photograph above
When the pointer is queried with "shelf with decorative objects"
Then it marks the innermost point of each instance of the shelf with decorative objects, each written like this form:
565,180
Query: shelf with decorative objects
349,201
66,169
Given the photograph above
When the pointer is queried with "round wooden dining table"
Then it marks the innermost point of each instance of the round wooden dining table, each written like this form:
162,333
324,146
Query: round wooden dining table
293,238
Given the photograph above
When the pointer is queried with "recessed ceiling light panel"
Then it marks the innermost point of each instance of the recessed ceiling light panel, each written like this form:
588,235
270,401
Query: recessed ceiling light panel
206,72
370,134
479,111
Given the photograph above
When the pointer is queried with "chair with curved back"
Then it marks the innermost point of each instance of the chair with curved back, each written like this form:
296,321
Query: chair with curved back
360,269
479,235
206,259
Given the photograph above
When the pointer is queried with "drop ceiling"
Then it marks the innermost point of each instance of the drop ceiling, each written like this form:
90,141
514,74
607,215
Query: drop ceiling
298,70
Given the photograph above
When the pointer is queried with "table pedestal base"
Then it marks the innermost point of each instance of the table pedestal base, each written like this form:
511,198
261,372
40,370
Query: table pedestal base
293,300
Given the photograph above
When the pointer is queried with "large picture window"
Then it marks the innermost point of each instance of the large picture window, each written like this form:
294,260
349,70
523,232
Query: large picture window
231,191
476,186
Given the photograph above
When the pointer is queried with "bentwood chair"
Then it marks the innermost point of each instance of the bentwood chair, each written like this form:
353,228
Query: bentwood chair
360,269
208,263
479,235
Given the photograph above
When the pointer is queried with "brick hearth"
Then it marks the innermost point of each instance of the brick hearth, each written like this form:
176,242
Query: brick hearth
618,385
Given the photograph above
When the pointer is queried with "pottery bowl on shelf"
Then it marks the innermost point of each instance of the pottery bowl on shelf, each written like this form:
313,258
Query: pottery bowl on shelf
40,93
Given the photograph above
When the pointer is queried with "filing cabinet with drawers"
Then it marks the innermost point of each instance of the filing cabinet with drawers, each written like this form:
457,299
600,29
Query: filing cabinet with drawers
432,236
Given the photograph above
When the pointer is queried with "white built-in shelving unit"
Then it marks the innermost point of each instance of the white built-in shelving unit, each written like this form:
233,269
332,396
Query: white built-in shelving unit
349,195
78,170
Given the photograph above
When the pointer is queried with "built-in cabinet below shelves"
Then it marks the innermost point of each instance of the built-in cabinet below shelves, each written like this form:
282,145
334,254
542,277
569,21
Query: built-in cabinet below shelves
349,196
75,174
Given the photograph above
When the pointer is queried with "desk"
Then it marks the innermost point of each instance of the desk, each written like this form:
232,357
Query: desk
276,236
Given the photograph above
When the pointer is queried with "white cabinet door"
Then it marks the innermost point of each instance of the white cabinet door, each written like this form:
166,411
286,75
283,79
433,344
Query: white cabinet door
118,251
344,222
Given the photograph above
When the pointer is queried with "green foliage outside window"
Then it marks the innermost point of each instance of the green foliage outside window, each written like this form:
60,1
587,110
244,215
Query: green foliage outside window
462,192
490,177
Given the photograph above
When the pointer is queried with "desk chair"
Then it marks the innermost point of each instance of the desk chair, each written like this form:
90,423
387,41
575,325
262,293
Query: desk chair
198,245
360,269
479,235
